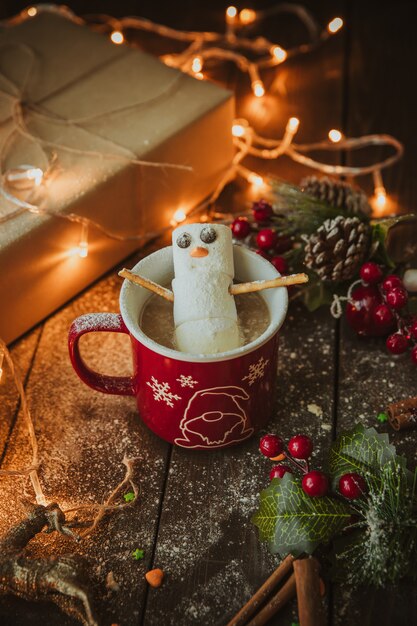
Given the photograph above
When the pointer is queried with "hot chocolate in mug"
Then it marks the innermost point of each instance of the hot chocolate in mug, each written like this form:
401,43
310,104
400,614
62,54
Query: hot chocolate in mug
194,401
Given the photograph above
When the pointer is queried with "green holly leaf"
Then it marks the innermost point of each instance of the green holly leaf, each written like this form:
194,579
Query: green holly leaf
129,497
360,450
292,522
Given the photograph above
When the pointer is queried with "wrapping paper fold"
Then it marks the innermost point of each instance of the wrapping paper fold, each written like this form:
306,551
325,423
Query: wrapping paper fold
98,106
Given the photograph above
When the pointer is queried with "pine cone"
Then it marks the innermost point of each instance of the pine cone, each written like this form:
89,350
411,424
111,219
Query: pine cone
337,193
337,248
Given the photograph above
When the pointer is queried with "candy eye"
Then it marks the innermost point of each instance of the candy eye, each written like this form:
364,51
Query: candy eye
208,234
184,240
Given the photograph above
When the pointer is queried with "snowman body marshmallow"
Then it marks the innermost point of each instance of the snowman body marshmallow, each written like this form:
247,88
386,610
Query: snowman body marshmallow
205,314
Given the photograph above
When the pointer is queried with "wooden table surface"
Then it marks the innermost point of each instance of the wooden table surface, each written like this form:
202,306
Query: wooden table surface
192,518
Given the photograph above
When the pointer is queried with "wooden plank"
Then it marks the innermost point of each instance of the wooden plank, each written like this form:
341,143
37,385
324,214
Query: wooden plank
83,436
370,378
380,62
381,98
206,542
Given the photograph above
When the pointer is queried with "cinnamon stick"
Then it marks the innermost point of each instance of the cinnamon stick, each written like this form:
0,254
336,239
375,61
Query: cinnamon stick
263,592
276,603
148,284
403,415
259,285
310,607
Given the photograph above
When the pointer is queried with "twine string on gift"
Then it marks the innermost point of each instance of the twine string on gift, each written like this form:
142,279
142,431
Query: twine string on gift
21,106
109,505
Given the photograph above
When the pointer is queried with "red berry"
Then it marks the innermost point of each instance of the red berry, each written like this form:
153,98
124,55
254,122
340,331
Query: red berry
414,355
382,318
280,264
271,445
278,471
283,244
266,238
358,311
262,254
397,298
370,273
352,485
413,328
240,228
262,211
300,447
397,343
391,281
315,484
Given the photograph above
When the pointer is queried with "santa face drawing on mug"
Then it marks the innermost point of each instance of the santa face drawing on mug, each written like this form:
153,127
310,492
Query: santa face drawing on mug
215,418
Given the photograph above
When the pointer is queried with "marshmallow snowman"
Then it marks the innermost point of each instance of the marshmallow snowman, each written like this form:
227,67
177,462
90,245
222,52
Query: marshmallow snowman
205,314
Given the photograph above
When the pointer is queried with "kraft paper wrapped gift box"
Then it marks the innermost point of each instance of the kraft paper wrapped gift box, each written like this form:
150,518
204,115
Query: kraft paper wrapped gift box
67,90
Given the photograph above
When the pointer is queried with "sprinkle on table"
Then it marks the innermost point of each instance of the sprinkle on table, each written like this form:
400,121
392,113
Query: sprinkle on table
129,497
382,418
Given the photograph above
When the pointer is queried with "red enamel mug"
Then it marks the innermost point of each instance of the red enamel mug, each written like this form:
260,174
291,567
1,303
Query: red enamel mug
193,401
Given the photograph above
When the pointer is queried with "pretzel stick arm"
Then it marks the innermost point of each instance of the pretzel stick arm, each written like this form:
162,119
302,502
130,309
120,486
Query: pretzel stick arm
259,285
147,284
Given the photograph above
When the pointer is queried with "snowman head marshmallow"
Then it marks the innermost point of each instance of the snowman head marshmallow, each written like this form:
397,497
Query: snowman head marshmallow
202,248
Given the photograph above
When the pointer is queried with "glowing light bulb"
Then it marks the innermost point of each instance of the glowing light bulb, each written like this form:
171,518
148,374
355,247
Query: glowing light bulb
238,130
255,179
380,198
334,25
32,11
293,124
231,13
83,245
197,65
258,88
179,216
247,16
199,75
335,135
279,53
117,37
35,174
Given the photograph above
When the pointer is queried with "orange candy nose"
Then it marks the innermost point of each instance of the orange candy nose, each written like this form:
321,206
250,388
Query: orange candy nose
198,252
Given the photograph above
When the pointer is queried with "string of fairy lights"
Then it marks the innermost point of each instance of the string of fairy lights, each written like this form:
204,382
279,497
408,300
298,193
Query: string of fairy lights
251,56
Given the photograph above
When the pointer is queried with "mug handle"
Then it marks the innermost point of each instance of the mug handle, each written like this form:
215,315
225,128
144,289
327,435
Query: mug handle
98,322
